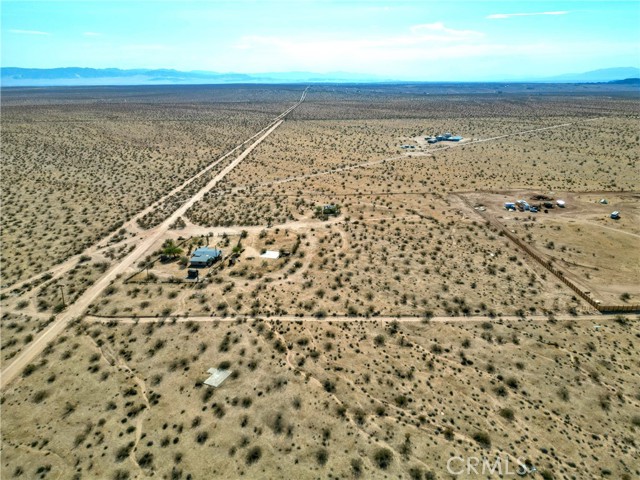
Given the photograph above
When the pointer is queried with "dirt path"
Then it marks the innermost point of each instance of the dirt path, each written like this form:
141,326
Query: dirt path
370,437
60,269
131,225
147,240
617,230
569,278
342,319
412,155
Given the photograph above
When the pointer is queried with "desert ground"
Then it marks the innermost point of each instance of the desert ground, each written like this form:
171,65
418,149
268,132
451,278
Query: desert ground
78,168
364,399
398,329
581,238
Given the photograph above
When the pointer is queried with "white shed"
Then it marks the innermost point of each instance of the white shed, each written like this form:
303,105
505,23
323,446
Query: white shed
217,377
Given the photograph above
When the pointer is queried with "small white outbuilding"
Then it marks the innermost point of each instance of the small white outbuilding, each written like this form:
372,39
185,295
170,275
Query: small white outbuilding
217,377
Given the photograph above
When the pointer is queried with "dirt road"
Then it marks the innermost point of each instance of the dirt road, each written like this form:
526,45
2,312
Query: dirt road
148,238
617,230
344,319
131,224
146,241
405,156
60,269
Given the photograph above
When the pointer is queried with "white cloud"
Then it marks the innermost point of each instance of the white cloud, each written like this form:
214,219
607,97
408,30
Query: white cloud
509,15
439,32
425,35
430,51
405,54
474,59
92,34
28,32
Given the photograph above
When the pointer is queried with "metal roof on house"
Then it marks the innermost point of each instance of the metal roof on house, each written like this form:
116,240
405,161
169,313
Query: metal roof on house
203,254
206,251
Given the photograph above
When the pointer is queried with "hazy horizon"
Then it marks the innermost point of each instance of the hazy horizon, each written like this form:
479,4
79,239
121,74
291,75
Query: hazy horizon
406,40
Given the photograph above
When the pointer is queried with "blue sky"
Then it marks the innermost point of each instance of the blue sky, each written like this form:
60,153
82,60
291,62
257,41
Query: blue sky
421,39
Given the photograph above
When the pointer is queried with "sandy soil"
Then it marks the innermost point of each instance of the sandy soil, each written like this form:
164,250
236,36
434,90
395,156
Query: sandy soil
343,375
369,398
592,249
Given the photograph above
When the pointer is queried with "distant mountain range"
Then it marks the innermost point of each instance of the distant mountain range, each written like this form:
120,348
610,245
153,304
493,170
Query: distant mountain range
602,75
74,76
13,76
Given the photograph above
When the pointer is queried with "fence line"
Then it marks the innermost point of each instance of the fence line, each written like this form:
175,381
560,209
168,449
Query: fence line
547,264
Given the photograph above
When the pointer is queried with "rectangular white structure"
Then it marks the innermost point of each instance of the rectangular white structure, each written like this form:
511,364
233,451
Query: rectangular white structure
217,377
273,254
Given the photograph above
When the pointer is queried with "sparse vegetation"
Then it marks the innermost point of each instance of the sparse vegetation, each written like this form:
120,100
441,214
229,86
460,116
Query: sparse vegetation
364,396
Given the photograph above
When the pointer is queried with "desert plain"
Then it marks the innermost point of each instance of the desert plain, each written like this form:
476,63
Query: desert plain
400,327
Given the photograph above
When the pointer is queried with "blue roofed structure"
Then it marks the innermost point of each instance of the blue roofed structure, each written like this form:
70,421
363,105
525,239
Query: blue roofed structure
445,137
205,257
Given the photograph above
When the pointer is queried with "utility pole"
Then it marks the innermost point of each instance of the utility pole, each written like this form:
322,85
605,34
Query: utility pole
62,293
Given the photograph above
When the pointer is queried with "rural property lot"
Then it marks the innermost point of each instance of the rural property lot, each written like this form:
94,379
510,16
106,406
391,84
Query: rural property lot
77,165
408,320
581,239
